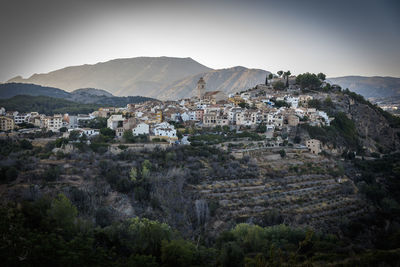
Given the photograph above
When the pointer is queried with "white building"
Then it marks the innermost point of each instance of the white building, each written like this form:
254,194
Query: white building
164,129
141,128
293,101
89,132
188,116
115,121
21,118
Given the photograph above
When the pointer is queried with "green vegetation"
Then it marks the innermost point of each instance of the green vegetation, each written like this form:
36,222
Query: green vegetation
308,80
394,121
49,231
96,123
220,135
342,131
279,85
46,105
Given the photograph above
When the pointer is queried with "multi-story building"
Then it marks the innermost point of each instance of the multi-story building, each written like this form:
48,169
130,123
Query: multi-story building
199,113
21,118
53,123
6,123
314,146
210,119
115,121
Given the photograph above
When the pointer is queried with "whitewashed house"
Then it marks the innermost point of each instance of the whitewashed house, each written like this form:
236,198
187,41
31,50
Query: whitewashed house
141,128
115,121
164,129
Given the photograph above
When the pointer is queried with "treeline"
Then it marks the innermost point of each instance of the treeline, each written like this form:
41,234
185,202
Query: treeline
46,105
49,232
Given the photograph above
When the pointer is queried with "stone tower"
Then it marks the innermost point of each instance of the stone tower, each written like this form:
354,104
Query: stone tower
201,88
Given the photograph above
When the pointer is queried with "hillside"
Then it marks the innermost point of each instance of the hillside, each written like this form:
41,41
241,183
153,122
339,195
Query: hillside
46,105
121,77
84,95
370,86
8,90
229,80
161,78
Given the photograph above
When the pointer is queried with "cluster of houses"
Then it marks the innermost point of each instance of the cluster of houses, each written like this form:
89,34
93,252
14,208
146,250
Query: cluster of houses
261,105
9,120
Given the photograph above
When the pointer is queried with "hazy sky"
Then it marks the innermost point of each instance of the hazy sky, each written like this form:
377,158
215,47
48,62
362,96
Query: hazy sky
351,37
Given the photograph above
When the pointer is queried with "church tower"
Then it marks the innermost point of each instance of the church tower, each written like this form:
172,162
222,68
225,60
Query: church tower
201,88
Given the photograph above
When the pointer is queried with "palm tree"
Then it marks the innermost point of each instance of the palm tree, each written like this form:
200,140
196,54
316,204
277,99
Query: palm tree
280,73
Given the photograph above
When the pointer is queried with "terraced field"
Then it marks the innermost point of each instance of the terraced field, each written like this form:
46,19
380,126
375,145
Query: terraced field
319,200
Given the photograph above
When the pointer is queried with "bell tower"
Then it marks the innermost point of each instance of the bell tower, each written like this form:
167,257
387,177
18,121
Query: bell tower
201,88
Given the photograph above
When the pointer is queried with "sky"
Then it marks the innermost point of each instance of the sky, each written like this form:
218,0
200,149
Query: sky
338,38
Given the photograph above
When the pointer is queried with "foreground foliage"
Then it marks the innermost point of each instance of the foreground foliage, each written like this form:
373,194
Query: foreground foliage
49,232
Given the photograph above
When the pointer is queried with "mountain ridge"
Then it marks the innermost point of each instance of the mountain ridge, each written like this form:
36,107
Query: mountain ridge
82,95
374,86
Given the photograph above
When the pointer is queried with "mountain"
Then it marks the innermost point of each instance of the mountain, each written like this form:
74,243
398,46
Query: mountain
121,77
8,90
229,80
370,86
157,77
91,91
83,96
46,105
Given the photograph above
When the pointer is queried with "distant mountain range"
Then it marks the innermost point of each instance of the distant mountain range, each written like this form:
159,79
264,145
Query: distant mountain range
157,77
174,78
370,86
230,80
84,95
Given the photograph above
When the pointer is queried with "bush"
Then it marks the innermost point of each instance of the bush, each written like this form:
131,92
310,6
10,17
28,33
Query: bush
52,174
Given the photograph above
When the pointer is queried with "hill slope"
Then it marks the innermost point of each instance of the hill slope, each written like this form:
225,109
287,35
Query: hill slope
46,105
121,77
84,96
370,86
227,80
8,90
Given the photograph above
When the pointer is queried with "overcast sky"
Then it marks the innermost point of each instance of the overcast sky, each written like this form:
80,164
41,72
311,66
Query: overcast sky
352,37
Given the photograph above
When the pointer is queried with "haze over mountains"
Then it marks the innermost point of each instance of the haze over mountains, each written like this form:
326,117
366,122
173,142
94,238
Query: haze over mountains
158,77
174,78
375,86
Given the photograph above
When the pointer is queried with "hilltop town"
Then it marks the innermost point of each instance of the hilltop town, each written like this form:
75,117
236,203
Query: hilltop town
270,113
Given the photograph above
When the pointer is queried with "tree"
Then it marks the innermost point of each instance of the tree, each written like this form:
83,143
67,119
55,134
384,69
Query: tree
308,80
279,85
146,165
321,76
133,174
25,144
177,253
74,135
287,74
244,105
280,73
63,129
63,213
107,132
128,136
